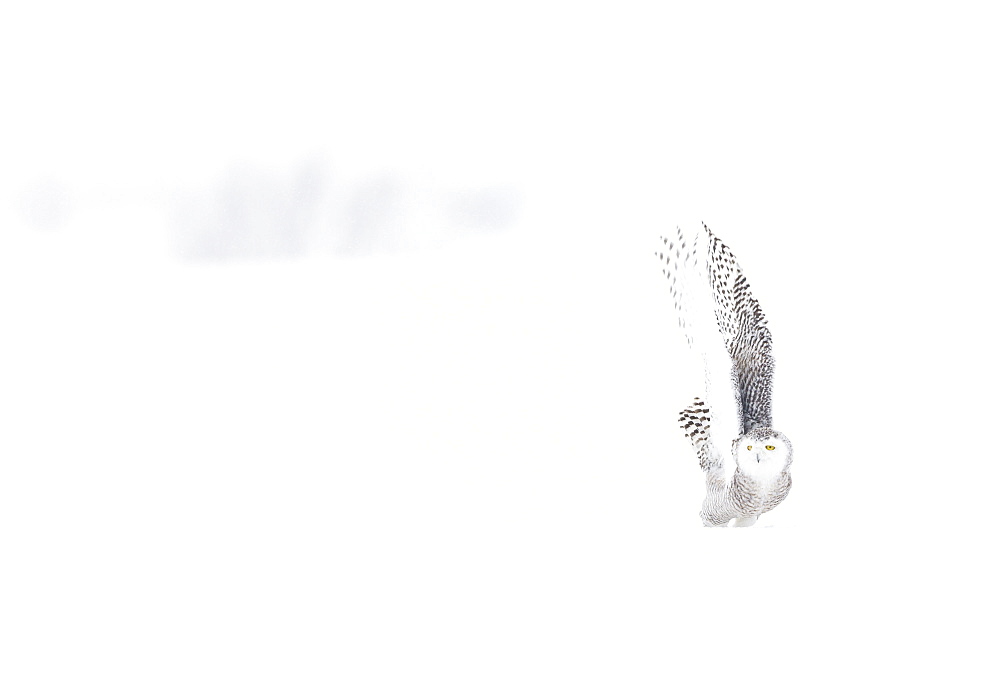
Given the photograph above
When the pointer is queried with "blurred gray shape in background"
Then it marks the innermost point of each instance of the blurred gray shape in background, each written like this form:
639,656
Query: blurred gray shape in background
374,220
266,213
45,205
485,210
250,213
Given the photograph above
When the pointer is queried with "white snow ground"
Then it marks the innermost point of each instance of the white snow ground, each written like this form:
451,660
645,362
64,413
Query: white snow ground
442,450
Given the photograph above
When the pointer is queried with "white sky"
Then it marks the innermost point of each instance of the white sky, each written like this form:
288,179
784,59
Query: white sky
428,438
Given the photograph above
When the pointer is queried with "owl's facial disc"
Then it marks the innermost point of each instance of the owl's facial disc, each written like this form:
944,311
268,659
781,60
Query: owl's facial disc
763,453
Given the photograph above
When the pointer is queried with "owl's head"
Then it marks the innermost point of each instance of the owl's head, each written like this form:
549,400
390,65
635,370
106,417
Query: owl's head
763,453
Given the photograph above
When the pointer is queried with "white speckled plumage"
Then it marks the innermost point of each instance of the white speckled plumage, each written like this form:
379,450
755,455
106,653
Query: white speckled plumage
745,460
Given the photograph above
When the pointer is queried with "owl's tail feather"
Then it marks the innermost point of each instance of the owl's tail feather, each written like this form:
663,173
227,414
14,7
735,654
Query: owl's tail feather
696,421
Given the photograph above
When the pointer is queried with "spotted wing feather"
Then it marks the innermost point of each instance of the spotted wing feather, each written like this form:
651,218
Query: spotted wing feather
696,421
686,263
743,326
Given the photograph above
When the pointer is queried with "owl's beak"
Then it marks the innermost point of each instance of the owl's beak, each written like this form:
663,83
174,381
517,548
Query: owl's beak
758,457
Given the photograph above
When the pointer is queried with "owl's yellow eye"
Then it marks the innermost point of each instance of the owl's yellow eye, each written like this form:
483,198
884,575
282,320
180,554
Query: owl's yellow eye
769,448
749,448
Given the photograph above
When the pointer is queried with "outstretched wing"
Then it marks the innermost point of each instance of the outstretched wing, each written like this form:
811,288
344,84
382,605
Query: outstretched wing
744,328
716,418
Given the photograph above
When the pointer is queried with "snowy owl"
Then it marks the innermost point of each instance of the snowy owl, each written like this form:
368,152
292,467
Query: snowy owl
745,460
